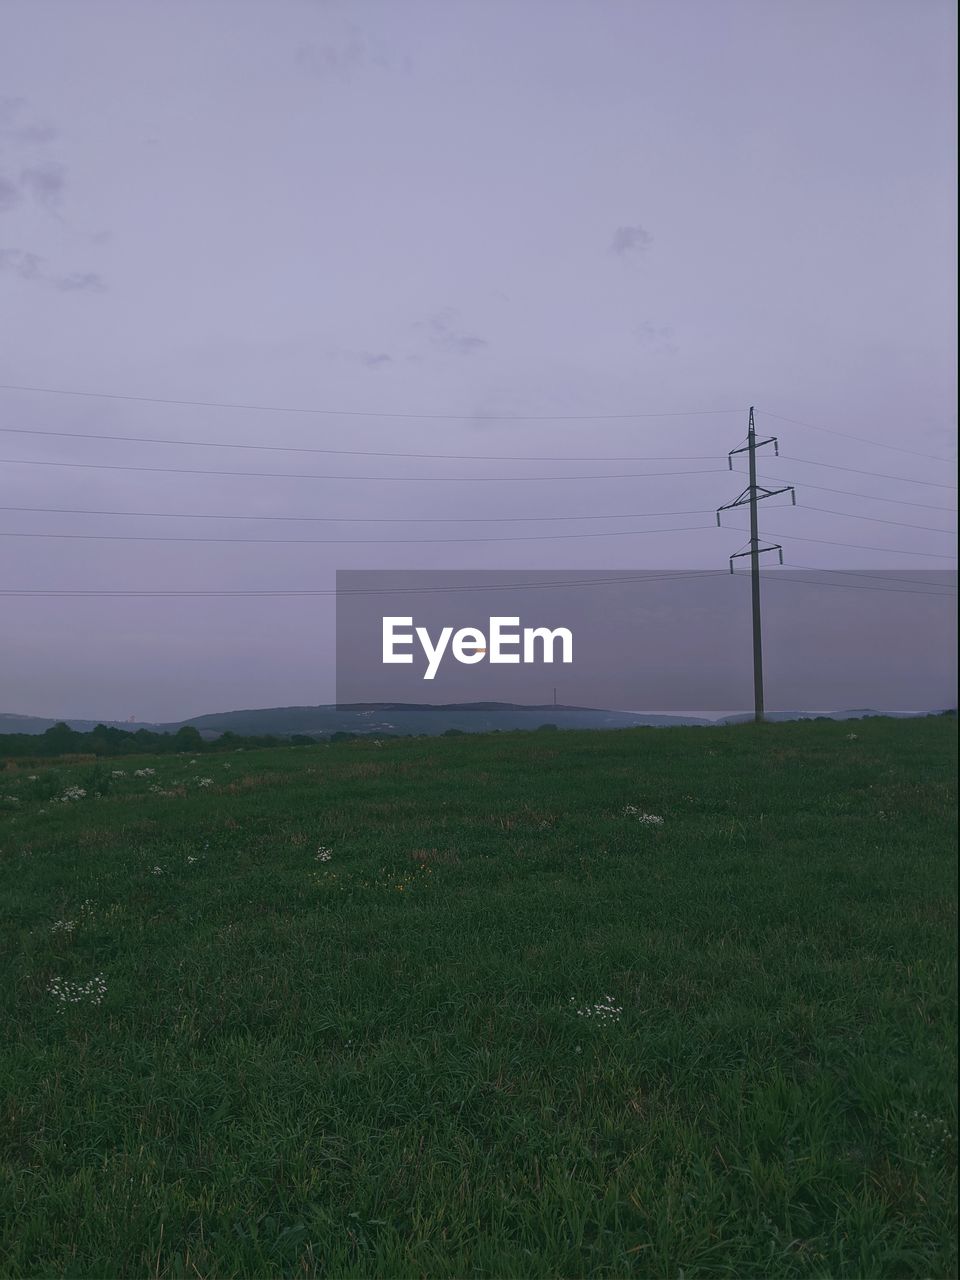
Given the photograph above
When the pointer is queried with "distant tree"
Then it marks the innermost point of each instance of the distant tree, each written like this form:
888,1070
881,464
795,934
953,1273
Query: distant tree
60,739
187,738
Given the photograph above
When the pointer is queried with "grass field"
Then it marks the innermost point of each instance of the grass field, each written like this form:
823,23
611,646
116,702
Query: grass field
453,1007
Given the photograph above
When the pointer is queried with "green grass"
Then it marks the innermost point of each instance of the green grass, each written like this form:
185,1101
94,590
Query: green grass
375,1066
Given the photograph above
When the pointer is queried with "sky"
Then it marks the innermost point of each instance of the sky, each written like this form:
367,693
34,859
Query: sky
523,233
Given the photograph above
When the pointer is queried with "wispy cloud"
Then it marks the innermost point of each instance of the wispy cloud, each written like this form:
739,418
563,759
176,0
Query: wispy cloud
9,194
445,333
46,183
374,359
342,54
80,282
30,266
18,262
14,129
628,240
658,338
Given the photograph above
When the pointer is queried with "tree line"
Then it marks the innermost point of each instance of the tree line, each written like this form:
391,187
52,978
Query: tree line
61,740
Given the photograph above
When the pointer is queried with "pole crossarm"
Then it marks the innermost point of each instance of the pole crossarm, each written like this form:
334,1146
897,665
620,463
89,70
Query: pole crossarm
758,493
758,444
760,550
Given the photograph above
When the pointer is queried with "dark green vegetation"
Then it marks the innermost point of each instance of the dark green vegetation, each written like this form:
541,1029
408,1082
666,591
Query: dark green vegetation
105,740
374,1065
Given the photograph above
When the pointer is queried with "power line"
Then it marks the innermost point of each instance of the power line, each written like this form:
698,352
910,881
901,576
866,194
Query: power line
879,444
337,542
881,475
857,546
196,515
306,475
773,576
367,453
623,515
365,413
461,457
375,591
869,497
852,515
877,574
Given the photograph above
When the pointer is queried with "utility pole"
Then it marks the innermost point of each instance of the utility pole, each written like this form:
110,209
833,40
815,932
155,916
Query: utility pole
751,496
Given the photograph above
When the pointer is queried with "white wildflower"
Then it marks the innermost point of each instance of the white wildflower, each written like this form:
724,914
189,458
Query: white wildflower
324,854
204,782
156,871
76,992
144,773
648,819
118,773
73,793
604,1010
852,737
33,777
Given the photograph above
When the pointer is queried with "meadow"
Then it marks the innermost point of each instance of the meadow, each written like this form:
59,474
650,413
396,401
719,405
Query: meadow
665,1002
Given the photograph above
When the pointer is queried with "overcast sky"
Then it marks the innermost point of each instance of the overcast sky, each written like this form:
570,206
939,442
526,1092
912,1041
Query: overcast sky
459,211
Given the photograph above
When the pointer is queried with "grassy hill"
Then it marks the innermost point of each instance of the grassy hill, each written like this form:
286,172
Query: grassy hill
467,1006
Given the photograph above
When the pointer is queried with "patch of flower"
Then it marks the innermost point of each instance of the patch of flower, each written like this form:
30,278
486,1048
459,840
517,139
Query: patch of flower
204,782
85,912
324,854
72,793
118,773
144,773
156,871
78,992
603,1011
852,737
399,882
647,819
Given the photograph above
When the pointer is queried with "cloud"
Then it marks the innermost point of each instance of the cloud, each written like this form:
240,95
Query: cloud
658,338
331,61
630,240
29,133
374,359
45,182
446,334
10,108
30,266
9,194
36,134
80,282
346,52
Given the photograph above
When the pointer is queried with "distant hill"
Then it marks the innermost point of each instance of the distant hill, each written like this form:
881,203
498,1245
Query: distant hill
408,717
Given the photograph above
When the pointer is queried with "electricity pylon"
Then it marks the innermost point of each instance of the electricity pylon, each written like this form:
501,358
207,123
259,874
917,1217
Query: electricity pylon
751,496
